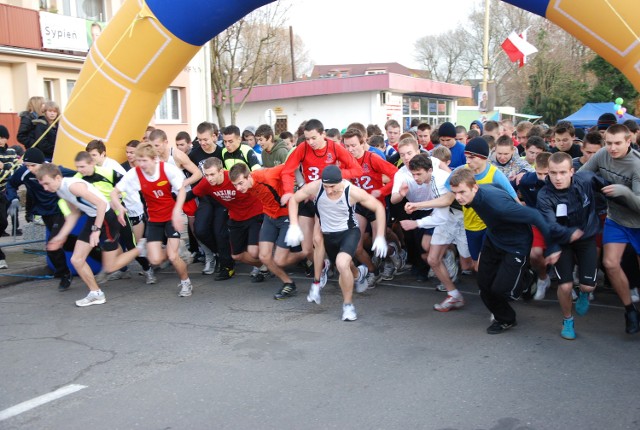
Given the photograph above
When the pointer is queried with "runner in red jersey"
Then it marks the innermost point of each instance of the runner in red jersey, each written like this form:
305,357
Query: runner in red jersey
156,181
245,212
266,186
312,156
374,169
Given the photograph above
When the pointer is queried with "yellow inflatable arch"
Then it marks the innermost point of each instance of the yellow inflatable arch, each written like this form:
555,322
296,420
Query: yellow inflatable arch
147,44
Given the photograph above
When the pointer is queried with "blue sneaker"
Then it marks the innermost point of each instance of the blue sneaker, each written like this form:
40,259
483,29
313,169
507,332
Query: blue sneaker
567,330
582,304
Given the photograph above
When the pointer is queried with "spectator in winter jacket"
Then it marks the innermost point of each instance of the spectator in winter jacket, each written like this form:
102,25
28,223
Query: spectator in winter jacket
47,131
506,159
26,130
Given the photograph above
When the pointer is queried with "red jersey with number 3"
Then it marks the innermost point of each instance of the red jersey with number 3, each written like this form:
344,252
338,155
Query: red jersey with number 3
157,195
373,167
313,162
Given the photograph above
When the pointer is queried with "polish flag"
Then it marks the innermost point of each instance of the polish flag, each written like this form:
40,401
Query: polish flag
517,48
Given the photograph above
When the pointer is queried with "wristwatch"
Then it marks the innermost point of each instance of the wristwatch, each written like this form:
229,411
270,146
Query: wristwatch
95,228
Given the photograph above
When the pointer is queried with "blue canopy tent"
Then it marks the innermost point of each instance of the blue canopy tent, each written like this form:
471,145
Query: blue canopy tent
588,115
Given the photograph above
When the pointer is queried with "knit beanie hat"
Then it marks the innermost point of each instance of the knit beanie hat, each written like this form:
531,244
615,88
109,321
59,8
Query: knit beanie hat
331,175
447,130
33,155
4,133
478,147
606,119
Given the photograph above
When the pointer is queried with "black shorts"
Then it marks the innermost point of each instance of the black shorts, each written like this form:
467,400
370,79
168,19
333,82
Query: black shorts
244,233
307,208
583,253
109,235
341,241
159,231
274,230
135,220
368,214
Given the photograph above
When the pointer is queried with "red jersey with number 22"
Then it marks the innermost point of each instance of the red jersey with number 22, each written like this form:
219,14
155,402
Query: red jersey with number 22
373,167
157,195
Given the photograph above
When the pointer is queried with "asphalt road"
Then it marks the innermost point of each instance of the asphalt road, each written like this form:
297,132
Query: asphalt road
231,357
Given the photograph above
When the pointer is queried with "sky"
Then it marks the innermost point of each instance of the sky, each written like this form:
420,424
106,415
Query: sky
385,31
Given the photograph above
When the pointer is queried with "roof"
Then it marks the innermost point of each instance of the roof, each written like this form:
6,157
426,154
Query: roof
379,82
344,70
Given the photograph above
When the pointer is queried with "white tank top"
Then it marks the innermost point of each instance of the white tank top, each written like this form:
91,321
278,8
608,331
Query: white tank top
335,215
82,204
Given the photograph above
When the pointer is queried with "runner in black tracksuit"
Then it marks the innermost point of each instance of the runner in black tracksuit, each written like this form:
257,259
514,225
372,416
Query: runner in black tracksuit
503,269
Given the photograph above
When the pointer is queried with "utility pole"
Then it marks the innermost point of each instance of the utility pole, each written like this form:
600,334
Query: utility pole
485,47
293,63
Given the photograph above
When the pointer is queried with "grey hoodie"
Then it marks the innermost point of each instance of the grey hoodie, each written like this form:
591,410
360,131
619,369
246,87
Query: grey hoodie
277,155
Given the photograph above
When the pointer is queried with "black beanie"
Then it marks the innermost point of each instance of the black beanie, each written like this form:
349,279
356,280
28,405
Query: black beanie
331,175
606,120
477,146
4,133
447,130
33,155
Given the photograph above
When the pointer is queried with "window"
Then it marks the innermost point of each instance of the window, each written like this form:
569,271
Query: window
375,72
92,10
169,107
48,89
70,84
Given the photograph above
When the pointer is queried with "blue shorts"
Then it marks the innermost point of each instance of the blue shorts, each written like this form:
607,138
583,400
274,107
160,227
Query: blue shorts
475,240
616,233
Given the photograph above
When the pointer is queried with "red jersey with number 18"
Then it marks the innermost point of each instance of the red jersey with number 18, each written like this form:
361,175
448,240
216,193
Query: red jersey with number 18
157,195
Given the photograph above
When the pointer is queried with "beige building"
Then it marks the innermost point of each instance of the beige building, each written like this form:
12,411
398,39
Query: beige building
43,47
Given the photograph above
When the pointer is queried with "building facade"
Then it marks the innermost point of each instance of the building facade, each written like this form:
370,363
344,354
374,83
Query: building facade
338,99
44,43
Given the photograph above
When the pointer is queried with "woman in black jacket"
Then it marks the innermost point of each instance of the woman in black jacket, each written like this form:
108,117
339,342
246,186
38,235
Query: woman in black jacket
47,142
34,112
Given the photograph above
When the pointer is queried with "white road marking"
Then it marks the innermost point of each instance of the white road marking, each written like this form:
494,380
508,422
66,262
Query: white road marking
39,401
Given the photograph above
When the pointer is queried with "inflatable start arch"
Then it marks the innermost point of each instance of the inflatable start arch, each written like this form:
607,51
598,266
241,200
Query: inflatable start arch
147,44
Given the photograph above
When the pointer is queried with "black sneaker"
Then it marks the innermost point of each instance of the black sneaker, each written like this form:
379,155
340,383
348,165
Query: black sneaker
65,282
631,320
225,273
287,290
498,327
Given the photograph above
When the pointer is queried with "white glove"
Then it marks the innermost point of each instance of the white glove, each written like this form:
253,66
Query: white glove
14,207
294,235
379,247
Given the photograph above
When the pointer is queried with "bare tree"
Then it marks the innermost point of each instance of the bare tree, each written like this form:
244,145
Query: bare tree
253,51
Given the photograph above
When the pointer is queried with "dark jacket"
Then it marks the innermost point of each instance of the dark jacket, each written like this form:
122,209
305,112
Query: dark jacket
45,203
48,141
528,188
580,201
508,222
27,129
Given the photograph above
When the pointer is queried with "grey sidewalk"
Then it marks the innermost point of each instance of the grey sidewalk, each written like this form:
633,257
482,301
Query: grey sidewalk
25,258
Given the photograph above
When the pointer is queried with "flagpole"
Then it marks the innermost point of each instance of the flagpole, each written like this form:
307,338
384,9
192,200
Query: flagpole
485,47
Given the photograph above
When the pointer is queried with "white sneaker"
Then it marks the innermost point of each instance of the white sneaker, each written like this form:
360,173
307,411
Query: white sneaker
396,259
635,295
150,277
372,280
542,286
314,293
324,273
361,284
389,271
574,295
3,264
93,298
349,312
118,274
185,290
209,266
